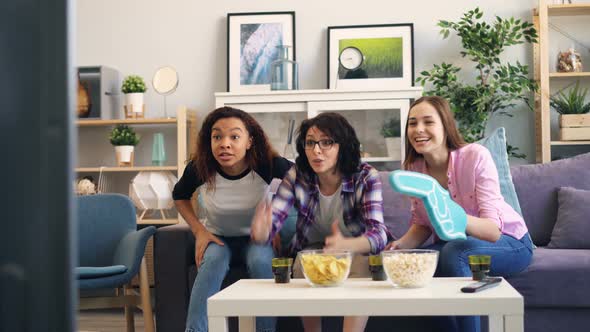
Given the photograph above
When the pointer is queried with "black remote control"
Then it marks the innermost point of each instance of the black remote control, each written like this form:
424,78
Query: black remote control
485,283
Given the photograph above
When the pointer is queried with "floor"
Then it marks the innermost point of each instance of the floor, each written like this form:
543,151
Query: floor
108,320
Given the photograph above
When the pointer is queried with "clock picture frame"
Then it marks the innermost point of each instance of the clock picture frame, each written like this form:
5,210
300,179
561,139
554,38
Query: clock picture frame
371,57
253,43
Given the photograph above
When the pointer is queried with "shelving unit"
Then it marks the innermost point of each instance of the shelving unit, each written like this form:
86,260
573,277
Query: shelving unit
184,141
544,76
365,110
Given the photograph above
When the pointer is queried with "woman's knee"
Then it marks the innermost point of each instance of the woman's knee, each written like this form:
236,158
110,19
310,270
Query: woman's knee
257,255
216,256
453,258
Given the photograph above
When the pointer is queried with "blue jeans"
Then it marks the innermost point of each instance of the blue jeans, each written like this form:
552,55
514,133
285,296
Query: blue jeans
509,257
214,267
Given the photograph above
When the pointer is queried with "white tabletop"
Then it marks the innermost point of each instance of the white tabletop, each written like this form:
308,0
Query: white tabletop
254,297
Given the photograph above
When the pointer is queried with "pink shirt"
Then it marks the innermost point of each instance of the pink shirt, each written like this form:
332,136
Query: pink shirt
473,184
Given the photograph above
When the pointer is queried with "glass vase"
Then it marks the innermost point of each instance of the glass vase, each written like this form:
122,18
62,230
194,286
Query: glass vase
284,72
158,150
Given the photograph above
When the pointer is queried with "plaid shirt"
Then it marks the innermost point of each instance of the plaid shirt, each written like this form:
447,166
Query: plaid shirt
362,206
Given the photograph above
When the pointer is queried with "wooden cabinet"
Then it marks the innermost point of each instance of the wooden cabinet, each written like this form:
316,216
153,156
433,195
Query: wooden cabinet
547,138
96,156
365,110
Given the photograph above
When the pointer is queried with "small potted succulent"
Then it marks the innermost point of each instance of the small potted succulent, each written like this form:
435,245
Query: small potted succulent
391,131
133,87
124,139
574,119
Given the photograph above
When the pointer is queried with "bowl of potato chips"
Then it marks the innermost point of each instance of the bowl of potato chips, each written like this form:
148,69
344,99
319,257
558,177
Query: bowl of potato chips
325,268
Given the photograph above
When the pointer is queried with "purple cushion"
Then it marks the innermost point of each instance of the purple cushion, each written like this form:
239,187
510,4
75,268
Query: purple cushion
555,278
537,185
396,208
572,228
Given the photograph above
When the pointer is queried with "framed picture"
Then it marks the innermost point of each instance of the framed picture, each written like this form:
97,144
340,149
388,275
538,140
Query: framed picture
371,57
252,44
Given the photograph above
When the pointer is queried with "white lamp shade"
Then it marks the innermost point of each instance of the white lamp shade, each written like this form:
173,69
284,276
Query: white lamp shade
152,190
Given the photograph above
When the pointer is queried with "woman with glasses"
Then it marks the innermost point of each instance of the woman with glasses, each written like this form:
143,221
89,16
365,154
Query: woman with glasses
338,200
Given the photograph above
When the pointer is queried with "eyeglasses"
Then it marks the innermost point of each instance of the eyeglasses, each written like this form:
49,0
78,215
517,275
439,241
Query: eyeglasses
325,144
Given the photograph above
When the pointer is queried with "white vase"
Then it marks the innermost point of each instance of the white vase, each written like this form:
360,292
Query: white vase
134,101
124,153
394,147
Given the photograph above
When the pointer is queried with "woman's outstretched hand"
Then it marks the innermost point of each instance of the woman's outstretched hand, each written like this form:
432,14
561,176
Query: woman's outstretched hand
261,222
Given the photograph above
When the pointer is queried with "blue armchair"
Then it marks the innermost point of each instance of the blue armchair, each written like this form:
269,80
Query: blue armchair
110,253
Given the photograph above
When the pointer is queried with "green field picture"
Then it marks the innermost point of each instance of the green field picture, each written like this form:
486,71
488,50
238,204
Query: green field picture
383,57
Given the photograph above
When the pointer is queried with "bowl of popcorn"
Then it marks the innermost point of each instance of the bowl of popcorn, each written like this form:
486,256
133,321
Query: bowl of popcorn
325,268
410,268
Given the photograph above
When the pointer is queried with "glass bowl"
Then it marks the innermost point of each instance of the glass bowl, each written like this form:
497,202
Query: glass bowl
410,268
325,268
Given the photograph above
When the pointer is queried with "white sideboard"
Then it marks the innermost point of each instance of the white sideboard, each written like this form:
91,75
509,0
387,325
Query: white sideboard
365,110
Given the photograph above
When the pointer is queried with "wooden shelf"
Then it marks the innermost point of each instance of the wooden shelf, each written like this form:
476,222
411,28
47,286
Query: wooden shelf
564,75
570,142
157,222
576,9
126,169
99,123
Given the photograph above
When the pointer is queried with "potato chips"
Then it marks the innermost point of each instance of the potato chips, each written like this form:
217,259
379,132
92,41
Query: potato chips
325,269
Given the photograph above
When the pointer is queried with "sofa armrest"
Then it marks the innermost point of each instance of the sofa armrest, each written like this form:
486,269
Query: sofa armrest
173,255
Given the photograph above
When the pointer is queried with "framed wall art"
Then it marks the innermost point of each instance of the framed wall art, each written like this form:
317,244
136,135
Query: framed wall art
252,45
371,57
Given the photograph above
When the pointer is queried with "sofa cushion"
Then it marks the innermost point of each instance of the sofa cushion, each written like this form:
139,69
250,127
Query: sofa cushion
536,186
555,278
572,228
396,208
89,272
496,144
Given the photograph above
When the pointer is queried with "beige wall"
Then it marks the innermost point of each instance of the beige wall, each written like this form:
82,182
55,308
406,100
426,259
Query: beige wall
140,36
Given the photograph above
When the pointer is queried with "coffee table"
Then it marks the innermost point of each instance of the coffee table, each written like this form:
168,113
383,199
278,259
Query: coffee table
249,298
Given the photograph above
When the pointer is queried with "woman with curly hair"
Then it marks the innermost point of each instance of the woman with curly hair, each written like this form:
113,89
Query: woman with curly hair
231,170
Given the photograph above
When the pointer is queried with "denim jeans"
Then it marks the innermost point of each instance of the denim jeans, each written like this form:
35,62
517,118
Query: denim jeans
509,257
214,267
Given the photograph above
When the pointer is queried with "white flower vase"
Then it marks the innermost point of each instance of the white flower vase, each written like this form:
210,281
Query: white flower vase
124,155
134,107
394,147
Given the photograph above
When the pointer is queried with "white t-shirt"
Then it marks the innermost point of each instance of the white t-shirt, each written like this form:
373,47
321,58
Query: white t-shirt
329,209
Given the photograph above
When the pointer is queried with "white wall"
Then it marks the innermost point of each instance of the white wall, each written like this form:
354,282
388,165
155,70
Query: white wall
137,37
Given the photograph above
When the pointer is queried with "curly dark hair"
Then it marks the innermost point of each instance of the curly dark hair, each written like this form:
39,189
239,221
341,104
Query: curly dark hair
260,153
340,130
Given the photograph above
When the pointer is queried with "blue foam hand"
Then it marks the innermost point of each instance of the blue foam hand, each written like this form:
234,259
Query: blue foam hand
448,218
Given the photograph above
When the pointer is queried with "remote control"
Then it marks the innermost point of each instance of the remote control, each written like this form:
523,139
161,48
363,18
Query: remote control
481,285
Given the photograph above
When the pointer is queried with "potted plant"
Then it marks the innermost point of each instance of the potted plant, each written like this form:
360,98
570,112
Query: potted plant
124,139
498,85
133,87
392,132
574,119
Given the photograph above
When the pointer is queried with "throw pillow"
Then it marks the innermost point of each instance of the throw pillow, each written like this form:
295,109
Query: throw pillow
496,144
572,228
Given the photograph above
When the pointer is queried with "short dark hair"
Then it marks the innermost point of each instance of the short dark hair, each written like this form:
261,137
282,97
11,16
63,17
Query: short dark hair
260,153
340,130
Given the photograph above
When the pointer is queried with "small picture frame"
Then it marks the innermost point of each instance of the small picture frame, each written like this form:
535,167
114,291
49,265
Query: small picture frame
371,57
252,45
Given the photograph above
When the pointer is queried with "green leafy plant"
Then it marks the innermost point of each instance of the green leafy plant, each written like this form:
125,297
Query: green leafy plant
571,102
498,86
123,135
133,84
391,128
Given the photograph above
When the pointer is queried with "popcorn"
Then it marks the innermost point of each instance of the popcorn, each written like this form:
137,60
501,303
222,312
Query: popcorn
410,268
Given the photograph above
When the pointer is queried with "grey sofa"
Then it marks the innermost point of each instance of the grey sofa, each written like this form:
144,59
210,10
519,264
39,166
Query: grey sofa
555,286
